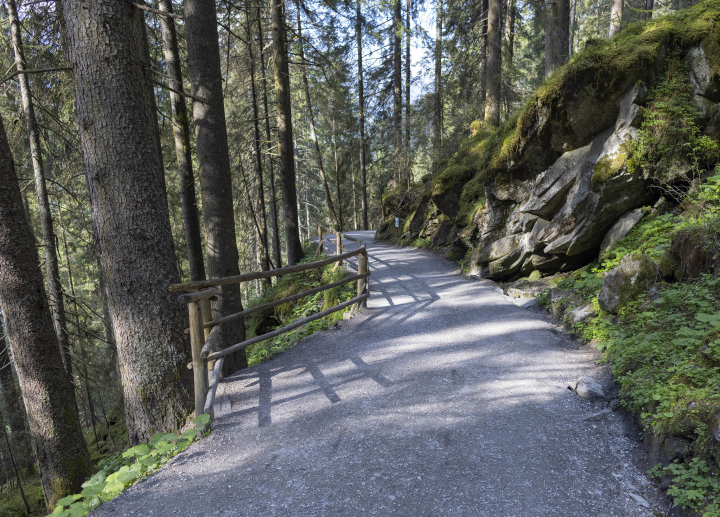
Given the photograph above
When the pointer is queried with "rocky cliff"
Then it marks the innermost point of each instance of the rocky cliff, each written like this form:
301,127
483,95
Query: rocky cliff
542,192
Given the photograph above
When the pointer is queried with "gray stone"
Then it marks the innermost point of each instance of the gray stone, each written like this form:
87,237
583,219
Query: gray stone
596,417
635,275
589,388
582,313
707,109
640,500
621,228
705,82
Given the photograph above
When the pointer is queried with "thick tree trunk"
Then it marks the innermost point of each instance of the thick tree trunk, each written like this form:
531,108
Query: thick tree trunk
649,6
341,226
573,27
183,151
313,134
616,14
285,136
510,31
60,449
557,35
255,147
408,7
361,120
277,259
214,163
52,271
397,82
437,110
129,208
494,64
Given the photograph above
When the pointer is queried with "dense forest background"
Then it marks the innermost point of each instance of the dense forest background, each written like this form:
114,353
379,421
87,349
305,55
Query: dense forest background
381,95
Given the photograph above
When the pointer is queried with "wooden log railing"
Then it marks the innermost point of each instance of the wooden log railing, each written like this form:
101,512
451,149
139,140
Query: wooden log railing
208,358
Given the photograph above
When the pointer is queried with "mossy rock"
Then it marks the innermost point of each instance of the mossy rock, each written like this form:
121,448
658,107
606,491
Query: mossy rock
633,277
447,188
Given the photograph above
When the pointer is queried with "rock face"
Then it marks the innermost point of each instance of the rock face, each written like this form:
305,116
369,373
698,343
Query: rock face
621,228
551,221
635,275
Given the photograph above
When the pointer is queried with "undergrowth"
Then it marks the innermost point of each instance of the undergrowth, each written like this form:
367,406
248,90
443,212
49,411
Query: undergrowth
120,471
291,312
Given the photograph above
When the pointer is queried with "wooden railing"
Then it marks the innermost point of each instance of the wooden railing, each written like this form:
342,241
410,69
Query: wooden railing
208,358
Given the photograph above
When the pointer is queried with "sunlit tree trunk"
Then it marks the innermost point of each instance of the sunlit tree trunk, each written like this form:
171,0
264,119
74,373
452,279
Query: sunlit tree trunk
437,111
62,455
129,207
616,14
361,119
494,64
285,137
557,35
397,84
183,151
408,7
214,163
52,271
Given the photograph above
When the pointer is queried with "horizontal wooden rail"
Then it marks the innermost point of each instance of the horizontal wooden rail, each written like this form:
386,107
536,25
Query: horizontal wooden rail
286,328
292,298
211,343
344,235
198,296
212,282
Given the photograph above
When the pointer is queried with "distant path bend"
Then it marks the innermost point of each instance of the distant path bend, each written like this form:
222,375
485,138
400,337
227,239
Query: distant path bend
442,398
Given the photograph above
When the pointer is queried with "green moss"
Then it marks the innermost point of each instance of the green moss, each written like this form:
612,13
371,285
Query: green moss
449,179
471,200
610,165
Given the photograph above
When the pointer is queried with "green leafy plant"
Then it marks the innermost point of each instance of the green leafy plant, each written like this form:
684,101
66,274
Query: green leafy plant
122,470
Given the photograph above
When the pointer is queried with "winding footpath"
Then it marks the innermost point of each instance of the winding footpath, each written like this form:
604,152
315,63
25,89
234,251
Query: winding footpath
442,398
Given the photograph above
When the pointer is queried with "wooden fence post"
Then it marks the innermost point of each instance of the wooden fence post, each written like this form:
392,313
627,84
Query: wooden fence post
197,340
362,282
338,245
320,239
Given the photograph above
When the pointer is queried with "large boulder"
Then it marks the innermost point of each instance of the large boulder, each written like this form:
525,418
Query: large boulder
568,208
635,275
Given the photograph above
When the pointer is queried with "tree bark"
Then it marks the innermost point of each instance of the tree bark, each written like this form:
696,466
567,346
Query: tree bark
573,27
437,120
494,64
60,449
52,271
557,35
127,195
183,150
285,133
616,14
255,147
311,122
397,82
361,120
483,51
214,163
649,6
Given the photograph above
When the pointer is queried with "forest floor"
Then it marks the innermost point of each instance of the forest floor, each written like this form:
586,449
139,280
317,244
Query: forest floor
442,397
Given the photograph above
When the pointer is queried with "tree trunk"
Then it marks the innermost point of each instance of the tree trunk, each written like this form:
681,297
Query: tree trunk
649,6
255,147
397,83
311,122
285,136
52,270
183,150
214,163
483,51
341,226
277,259
510,31
361,120
573,27
616,14
437,120
408,6
60,449
127,195
557,35
494,64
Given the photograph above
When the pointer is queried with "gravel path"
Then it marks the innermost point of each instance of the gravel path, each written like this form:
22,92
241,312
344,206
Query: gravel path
441,398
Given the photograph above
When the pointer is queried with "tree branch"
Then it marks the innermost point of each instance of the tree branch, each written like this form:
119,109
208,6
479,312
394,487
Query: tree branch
156,11
35,71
